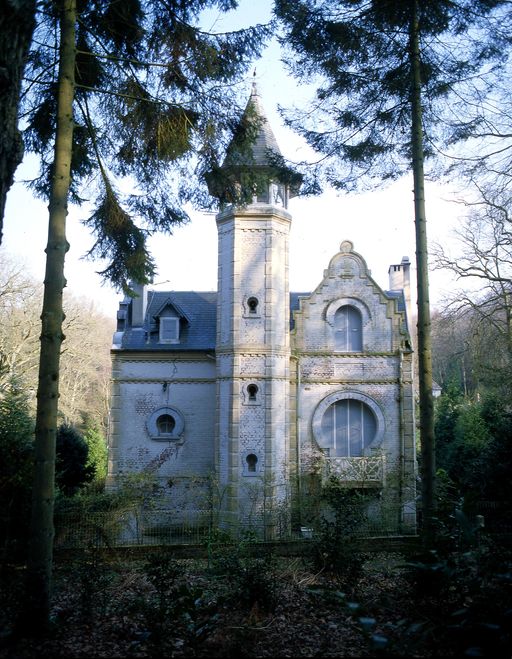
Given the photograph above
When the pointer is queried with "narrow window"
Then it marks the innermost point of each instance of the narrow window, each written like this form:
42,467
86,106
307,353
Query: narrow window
165,424
251,460
252,390
348,327
252,303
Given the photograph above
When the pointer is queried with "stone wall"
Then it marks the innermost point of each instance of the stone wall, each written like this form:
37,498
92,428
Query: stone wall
143,385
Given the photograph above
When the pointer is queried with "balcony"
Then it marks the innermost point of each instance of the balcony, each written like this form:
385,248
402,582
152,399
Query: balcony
358,472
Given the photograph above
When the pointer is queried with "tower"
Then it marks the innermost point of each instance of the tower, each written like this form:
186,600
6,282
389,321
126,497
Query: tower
253,315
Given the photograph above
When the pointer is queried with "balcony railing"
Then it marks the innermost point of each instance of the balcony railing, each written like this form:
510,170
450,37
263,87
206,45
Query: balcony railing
361,471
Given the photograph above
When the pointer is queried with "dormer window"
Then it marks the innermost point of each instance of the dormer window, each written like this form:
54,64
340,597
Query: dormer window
169,330
170,323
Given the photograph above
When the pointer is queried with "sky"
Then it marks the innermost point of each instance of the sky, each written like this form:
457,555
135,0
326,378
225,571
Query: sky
380,223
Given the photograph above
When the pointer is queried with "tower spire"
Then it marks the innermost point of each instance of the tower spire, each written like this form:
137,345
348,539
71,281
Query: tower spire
253,161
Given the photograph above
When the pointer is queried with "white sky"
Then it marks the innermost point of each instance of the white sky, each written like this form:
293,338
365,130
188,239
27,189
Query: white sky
379,223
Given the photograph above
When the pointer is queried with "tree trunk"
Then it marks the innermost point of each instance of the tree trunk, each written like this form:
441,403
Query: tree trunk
424,327
42,531
17,22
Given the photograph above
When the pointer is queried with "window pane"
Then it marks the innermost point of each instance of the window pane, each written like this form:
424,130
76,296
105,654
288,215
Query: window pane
348,329
169,329
348,427
356,428
355,333
165,424
328,440
342,427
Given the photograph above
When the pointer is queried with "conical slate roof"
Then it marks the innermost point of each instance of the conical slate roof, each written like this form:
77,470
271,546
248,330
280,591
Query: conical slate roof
263,144
252,160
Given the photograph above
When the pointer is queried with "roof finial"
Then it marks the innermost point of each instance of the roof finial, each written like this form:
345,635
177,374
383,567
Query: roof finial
254,91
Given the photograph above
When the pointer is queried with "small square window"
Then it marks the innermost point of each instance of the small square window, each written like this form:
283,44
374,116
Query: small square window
169,330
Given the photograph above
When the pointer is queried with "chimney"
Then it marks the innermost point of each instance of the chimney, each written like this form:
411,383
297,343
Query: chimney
139,304
400,280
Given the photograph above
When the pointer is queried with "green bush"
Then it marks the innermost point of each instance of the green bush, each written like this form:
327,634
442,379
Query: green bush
335,547
72,467
16,467
97,454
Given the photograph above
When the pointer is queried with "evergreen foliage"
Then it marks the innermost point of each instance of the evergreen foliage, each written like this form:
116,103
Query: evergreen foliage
358,55
97,453
72,466
154,106
17,22
16,463
474,446
447,412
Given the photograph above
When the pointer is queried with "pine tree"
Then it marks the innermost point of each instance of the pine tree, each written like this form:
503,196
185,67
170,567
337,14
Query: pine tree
17,23
384,68
133,91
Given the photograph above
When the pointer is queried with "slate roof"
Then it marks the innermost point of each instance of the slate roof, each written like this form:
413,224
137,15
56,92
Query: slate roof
198,328
197,331
265,141
398,295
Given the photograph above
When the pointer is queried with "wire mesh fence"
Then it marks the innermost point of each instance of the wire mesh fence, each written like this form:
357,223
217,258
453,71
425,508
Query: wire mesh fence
136,527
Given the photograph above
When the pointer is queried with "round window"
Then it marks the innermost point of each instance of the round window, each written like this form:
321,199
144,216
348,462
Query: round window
165,424
348,427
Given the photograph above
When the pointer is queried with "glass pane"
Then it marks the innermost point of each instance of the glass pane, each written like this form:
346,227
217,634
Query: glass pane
327,439
251,460
356,427
168,329
348,326
341,326
165,424
355,333
342,427
348,427
369,425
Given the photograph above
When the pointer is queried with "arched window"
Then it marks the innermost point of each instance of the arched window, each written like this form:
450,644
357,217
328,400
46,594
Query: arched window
165,424
348,329
252,461
348,428
252,303
252,390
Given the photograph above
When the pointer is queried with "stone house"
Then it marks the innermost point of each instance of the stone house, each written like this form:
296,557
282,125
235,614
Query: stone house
255,393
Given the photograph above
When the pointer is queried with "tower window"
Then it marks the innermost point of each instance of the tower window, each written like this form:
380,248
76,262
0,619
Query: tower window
252,461
252,390
252,303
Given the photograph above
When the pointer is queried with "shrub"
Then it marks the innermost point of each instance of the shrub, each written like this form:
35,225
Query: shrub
16,466
72,470
336,548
